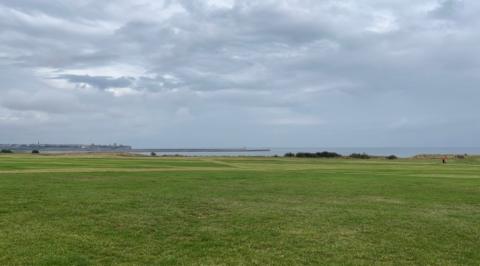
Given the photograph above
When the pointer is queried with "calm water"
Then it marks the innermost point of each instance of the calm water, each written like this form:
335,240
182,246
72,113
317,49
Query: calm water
401,152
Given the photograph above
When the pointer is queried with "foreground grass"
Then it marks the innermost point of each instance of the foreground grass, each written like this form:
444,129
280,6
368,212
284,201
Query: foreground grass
105,209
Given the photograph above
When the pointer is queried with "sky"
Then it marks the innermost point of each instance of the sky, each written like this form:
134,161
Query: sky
241,73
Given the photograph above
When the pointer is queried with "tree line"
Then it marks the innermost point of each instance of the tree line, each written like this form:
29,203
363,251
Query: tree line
326,154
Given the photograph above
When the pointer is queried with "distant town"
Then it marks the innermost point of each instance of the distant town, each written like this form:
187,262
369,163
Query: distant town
66,147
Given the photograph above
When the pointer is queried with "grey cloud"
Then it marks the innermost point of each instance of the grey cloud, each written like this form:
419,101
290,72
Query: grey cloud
448,9
101,82
48,103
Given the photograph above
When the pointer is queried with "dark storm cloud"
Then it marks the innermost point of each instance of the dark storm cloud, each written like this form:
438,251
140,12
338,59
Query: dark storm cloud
101,82
241,72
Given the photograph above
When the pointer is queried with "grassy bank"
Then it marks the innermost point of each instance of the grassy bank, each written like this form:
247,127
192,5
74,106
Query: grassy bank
105,209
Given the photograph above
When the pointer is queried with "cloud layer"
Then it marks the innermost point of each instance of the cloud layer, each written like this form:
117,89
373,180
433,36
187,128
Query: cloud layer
192,73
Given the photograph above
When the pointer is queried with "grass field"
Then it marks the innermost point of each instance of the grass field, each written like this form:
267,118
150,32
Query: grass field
113,209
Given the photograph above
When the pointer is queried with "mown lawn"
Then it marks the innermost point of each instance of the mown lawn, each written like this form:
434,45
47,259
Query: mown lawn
106,209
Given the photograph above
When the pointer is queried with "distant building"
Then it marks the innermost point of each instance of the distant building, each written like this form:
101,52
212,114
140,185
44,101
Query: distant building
65,147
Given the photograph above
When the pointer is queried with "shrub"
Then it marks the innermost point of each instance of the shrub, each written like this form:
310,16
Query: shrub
359,156
35,151
327,154
305,155
6,151
153,154
392,157
324,154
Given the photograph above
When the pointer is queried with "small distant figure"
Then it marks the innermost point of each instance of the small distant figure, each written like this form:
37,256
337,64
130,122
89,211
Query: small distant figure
444,159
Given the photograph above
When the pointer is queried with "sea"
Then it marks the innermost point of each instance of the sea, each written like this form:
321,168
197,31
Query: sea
403,152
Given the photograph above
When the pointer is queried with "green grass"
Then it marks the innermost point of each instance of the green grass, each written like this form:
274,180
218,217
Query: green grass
106,209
